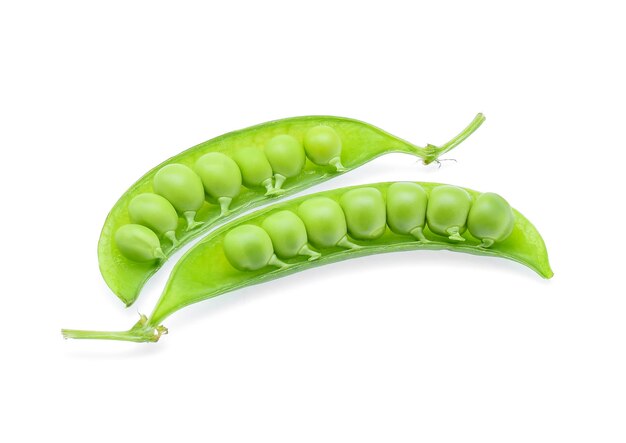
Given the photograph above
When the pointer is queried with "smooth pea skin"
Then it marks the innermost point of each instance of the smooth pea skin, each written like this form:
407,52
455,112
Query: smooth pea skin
288,235
248,248
406,209
323,146
138,243
154,212
491,219
286,156
255,168
325,222
448,207
365,213
182,188
220,176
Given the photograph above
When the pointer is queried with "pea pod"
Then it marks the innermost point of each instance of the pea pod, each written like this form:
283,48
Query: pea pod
244,252
218,179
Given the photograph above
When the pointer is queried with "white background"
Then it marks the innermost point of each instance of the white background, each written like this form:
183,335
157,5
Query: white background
406,347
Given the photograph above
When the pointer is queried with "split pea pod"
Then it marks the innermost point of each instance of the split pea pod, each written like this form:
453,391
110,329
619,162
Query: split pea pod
336,225
218,179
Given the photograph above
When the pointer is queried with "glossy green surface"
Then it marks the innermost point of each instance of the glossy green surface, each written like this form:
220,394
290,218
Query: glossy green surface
447,210
255,168
206,270
288,235
286,155
180,186
323,146
324,220
248,247
491,218
139,243
365,213
154,212
219,174
176,181
406,208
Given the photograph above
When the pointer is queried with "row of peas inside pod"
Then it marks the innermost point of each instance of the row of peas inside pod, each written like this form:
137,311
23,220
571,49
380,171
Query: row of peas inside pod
364,214
179,189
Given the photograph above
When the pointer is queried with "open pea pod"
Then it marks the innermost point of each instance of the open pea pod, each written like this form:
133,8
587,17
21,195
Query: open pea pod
336,225
216,180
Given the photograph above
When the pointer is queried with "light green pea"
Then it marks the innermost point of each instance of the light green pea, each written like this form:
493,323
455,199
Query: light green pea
156,213
183,188
248,248
365,213
288,235
138,243
447,211
491,219
325,223
255,168
406,209
221,178
286,156
323,146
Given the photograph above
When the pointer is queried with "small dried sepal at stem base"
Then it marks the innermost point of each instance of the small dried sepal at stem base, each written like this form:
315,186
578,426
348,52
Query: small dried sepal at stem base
141,332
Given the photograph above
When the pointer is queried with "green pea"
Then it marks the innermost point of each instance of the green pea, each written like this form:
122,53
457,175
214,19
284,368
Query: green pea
183,188
406,209
365,213
323,146
255,169
248,248
156,213
325,223
221,178
491,219
138,243
286,156
447,211
288,235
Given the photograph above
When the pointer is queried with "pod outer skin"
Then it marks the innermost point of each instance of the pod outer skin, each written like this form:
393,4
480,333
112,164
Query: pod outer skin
190,282
361,143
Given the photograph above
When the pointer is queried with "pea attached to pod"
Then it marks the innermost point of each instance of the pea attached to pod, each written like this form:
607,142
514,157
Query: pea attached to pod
323,146
365,213
406,209
249,248
286,156
325,223
138,243
255,169
155,212
221,178
448,207
288,235
491,219
183,188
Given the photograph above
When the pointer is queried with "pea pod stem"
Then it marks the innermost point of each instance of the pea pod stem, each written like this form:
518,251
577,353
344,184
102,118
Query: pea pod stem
141,332
432,152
